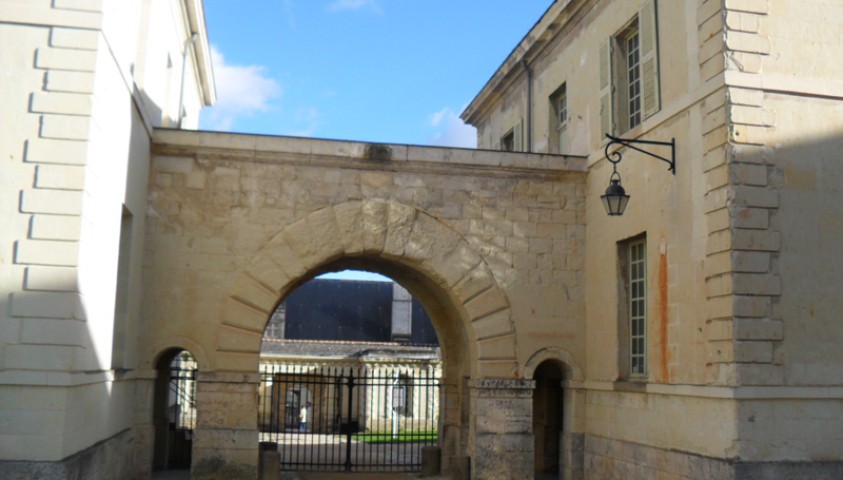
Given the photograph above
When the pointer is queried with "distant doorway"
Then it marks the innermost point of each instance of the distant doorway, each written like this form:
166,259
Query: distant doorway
174,411
547,418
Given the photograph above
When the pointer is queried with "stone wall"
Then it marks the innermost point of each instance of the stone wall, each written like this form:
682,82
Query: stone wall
485,240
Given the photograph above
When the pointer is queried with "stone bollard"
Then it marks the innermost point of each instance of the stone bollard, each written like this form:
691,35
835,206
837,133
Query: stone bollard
270,461
431,458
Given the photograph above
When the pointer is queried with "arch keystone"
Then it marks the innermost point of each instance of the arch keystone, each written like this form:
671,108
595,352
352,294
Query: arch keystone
399,227
373,225
349,218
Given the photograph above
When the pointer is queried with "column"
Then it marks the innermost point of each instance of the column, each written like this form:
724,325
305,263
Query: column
502,423
225,444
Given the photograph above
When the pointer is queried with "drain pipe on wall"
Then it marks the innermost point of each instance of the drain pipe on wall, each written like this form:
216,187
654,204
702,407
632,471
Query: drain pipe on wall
189,45
529,127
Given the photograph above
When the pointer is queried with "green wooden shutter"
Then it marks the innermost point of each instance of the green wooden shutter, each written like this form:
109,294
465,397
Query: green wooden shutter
606,107
649,58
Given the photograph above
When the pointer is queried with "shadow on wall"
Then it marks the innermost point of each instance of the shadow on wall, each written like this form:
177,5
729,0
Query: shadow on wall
97,434
796,224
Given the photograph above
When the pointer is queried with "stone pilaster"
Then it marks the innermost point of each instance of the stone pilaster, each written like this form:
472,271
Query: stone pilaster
225,445
502,424
742,283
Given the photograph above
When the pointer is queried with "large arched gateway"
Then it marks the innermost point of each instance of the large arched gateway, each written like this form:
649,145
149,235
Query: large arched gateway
482,239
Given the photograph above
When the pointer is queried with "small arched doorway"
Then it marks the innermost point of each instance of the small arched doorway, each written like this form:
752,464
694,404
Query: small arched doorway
174,410
547,418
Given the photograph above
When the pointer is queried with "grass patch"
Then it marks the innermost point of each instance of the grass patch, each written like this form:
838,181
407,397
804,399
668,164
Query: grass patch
426,436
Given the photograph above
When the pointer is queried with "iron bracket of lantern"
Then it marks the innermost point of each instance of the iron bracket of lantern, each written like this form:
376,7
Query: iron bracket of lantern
615,199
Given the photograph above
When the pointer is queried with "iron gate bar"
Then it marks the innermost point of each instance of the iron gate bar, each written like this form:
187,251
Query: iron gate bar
350,406
182,392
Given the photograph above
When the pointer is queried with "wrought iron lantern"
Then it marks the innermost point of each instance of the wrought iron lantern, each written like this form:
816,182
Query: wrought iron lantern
615,199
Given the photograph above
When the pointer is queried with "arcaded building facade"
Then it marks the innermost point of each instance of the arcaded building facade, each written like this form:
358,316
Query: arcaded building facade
694,336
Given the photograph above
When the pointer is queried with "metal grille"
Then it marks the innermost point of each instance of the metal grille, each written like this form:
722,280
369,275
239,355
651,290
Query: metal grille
354,419
181,411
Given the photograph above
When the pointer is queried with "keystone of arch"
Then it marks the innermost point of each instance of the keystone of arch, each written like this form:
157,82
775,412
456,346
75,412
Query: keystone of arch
377,230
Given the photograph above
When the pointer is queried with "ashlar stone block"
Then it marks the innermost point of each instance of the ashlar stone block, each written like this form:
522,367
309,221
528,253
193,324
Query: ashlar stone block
61,103
74,38
60,177
63,279
68,127
61,202
44,252
66,59
55,227
47,305
68,81
46,150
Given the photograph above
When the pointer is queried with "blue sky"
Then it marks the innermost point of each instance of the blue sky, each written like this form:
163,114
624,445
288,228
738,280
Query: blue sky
395,71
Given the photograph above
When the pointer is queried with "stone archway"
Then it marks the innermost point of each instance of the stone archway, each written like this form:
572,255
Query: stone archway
469,310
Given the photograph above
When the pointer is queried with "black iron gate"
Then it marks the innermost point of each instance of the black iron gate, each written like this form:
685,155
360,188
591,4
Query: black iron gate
356,419
181,411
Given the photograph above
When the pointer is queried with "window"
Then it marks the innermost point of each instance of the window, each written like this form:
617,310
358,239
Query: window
401,397
559,119
511,140
633,308
508,142
275,327
629,73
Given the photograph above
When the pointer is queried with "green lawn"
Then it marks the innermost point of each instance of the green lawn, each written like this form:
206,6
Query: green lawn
403,437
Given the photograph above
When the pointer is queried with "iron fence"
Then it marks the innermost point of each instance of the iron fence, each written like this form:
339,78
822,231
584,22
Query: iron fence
356,419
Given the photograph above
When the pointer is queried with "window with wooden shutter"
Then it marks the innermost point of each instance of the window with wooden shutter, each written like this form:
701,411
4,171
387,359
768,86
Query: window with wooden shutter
606,106
559,120
629,73
649,58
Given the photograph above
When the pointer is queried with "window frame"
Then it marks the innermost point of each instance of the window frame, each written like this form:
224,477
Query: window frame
633,318
559,118
629,110
508,141
618,76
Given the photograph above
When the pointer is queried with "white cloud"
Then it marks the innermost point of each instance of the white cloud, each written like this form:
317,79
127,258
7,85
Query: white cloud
452,132
242,90
308,120
346,5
